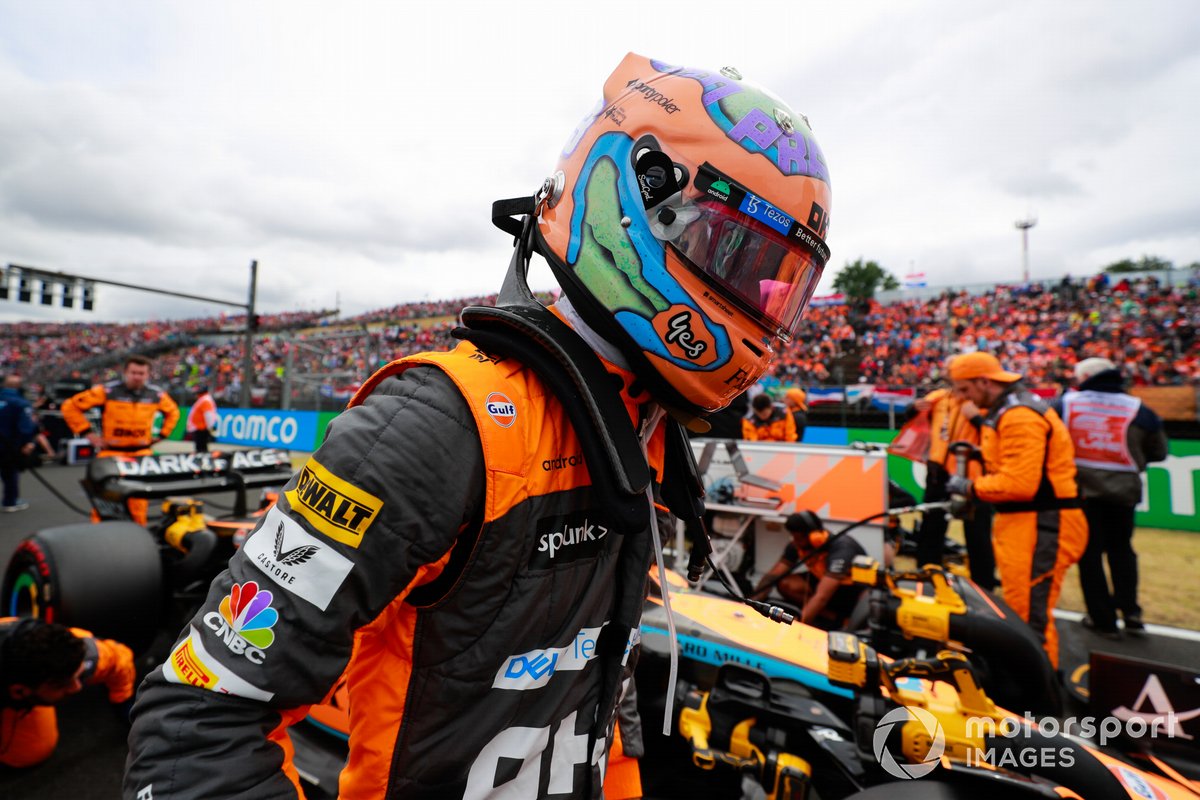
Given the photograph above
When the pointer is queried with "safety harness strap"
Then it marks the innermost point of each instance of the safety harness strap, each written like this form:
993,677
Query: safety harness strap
1045,504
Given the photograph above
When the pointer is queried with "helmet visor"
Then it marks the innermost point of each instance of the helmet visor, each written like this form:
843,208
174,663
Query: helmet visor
755,253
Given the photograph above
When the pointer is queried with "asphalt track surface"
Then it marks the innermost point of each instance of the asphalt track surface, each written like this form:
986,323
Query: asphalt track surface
90,757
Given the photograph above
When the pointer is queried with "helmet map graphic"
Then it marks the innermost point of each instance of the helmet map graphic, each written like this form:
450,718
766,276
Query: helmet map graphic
247,611
640,289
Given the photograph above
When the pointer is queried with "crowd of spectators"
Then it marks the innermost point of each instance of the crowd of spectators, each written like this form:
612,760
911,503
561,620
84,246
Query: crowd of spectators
42,351
1042,331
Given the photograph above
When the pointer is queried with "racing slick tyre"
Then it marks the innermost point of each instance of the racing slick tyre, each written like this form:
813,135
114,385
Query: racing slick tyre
105,577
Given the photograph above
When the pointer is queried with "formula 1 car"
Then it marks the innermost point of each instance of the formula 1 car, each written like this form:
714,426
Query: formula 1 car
761,709
766,710
132,583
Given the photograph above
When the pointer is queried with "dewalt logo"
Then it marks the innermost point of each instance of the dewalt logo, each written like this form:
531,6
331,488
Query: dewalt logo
339,510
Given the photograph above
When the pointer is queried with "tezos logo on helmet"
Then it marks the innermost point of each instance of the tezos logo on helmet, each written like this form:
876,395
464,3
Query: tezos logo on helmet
501,409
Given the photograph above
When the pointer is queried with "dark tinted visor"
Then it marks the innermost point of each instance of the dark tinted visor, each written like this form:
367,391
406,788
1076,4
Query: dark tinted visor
766,260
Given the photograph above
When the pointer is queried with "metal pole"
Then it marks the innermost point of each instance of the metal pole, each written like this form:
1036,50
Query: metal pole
1025,255
1024,225
289,365
840,376
248,347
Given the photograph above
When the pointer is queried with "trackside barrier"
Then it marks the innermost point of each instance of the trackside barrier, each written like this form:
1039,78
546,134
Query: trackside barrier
266,427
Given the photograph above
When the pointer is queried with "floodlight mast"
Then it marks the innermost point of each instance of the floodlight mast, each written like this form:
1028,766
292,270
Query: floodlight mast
1023,225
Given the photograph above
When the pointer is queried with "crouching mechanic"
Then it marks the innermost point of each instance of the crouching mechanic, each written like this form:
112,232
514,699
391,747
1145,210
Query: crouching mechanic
41,664
825,593
1029,477
471,544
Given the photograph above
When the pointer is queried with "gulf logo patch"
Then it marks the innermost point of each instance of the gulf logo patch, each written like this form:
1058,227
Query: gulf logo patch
501,409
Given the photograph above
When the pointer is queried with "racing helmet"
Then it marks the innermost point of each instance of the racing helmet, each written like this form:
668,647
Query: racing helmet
686,224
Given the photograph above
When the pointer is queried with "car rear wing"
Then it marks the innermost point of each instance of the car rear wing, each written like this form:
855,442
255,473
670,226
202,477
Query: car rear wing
112,480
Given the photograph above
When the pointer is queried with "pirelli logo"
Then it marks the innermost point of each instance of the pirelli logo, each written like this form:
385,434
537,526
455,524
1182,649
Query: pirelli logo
190,669
334,507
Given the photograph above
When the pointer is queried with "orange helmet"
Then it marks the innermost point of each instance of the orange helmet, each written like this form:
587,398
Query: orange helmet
686,225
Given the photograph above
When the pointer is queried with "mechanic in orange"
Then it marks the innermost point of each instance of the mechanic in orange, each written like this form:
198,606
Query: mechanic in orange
1029,476
953,419
41,664
768,422
128,408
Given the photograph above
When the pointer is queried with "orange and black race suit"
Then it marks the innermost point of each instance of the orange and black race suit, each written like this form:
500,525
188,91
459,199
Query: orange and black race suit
445,549
28,735
126,416
1040,529
779,427
126,423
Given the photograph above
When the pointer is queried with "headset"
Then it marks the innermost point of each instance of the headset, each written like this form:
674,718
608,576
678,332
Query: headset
806,523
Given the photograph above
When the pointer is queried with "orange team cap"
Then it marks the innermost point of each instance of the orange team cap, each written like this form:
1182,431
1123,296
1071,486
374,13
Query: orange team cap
980,365
797,397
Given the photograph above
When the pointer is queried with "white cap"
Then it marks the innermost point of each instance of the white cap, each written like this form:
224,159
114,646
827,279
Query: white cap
1091,367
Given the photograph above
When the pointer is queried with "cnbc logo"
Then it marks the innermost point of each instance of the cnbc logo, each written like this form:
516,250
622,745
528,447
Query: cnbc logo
245,621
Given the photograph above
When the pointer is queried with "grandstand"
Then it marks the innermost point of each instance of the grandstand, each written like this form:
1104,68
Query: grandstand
1145,322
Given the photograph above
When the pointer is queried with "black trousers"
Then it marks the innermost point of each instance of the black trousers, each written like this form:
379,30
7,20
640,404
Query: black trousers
10,473
201,439
1110,533
931,536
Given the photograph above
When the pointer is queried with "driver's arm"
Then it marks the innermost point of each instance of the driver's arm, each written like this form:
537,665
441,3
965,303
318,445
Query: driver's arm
212,721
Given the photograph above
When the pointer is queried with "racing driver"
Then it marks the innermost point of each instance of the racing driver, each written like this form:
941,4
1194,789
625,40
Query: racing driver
477,528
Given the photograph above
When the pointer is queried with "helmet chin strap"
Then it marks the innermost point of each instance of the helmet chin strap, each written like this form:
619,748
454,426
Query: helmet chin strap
515,289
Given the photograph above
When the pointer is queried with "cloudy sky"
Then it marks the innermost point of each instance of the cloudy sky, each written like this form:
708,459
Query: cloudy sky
354,148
